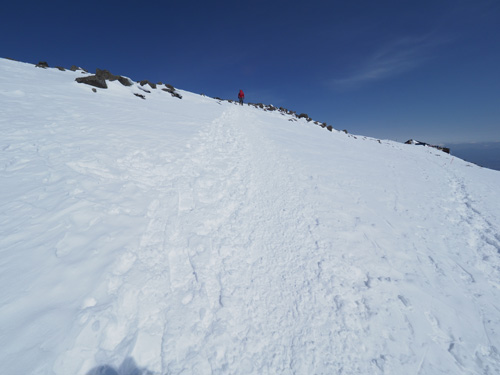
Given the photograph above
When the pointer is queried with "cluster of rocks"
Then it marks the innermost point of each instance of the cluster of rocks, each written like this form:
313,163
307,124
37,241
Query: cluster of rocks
168,88
308,119
44,65
101,76
284,111
418,143
171,90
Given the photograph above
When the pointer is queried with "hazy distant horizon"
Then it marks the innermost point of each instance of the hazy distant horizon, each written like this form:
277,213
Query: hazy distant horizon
484,154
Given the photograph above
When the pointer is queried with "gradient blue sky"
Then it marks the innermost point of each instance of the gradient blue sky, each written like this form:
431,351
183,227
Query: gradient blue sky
427,70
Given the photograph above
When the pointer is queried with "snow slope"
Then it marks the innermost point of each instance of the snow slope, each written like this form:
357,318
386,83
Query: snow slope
167,236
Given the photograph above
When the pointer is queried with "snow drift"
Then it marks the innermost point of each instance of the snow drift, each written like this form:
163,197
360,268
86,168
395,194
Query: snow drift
194,236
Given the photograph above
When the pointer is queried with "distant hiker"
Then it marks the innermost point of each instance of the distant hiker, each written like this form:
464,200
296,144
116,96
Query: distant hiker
241,96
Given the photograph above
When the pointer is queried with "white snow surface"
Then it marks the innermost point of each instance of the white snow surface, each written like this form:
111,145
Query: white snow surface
194,236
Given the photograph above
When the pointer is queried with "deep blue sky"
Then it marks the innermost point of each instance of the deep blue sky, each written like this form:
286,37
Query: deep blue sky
427,70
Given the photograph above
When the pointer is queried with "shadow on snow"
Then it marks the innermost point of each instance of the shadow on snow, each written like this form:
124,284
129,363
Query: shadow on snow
128,367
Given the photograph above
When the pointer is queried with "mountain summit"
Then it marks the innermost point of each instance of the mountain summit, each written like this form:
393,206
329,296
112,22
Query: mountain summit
197,236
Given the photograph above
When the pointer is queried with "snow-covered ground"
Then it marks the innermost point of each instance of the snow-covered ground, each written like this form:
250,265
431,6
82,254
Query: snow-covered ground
192,236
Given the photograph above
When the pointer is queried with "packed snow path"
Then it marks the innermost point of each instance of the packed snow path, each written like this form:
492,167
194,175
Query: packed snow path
194,236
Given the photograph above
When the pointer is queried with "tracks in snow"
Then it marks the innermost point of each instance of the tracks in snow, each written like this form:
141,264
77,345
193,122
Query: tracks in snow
217,263
181,254
234,273
468,270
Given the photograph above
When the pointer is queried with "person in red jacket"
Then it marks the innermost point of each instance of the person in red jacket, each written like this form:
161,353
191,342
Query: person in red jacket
241,96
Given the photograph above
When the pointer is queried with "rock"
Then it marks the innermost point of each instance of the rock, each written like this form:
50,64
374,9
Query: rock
100,77
146,82
42,64
74,68
107,75
171,90
418,143
125,81
93,81
174,93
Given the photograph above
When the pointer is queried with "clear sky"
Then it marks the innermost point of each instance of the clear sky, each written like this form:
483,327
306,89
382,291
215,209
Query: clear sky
427,70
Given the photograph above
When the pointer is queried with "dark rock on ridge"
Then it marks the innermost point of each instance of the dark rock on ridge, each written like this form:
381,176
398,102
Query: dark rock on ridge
100,78
418,143
74,68
171,90
146,82
93,81
107,75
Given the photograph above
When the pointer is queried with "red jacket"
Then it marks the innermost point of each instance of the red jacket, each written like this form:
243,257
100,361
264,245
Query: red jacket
241,94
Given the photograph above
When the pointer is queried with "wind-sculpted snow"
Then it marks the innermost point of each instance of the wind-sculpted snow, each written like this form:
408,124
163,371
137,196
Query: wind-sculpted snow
192,236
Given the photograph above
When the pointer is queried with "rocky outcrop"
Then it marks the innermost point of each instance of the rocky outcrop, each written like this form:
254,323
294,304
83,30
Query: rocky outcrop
418,143
284,111
171,90
100,77
108,76
42,64
146,82
93,81
304,116
74,68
